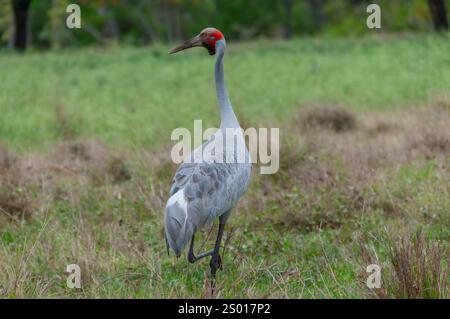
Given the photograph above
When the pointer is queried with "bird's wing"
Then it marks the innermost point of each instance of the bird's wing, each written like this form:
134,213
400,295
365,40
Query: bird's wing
200,193
185,171
210,189
202,184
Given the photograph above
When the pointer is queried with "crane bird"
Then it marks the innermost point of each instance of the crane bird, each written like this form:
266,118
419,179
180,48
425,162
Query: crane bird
209,188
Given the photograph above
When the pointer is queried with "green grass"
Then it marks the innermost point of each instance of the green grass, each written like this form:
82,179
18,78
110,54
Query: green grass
136,97
341,200
120,248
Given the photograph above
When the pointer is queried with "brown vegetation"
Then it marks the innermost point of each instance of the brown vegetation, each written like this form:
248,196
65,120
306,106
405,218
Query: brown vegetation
336,118
14,201
416,267
317,167
328,179
320,168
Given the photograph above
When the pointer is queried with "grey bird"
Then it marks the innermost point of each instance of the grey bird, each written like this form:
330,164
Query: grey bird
210,181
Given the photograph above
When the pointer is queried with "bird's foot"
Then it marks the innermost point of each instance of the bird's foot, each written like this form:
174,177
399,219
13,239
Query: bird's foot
192,258
215,263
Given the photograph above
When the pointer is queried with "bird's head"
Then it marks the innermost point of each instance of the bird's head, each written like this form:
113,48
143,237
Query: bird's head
207,39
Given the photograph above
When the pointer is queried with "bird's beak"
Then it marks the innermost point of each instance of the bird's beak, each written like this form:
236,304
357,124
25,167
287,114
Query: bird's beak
194,42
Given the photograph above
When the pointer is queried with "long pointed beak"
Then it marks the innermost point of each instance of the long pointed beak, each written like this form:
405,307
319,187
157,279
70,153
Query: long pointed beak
194,42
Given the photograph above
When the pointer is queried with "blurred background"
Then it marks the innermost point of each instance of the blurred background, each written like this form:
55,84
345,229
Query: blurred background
86,117
40,23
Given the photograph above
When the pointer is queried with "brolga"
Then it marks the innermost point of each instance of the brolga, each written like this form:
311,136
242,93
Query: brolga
213,177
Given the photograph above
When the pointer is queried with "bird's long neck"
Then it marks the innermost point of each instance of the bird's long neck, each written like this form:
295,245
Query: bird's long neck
227,117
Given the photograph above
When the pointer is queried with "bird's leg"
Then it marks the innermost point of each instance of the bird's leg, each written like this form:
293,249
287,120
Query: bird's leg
167,246
216,261
191,256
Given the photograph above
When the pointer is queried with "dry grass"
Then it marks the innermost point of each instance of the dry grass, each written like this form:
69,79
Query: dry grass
323,169
377,141
332,180
384,140
421,268
417,267
336,118
14,200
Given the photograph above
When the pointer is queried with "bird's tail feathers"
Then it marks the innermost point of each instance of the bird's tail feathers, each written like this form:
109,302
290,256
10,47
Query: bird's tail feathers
178,227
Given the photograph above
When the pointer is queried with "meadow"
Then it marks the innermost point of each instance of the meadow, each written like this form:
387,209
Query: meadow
364,177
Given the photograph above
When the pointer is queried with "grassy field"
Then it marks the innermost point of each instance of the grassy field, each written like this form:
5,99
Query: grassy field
47,97
364,176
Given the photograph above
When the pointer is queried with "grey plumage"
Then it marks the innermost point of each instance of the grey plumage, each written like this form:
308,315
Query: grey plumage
207,185
210,189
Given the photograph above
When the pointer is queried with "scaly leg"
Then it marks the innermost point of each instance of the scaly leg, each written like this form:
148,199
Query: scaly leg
191,256
216,261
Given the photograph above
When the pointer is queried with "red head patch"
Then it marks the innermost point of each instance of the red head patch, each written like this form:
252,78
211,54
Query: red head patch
209,37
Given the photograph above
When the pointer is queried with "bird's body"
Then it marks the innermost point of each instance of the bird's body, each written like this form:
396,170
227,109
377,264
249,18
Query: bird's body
210,181
201,192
